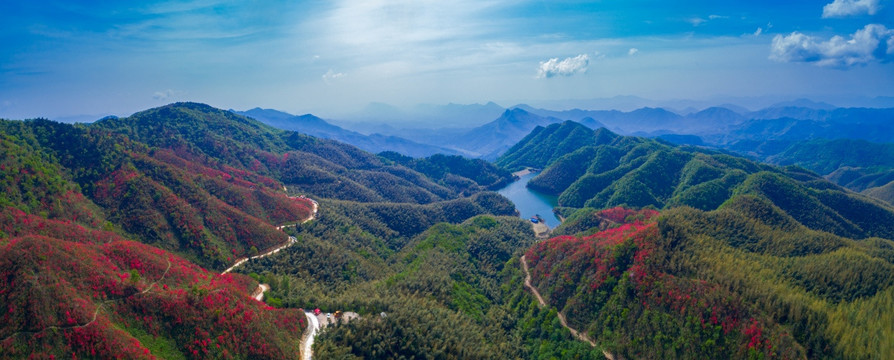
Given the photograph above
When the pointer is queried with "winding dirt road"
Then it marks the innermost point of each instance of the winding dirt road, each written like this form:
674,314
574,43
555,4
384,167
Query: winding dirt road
313,327
258,294
313,324
291,240
307,341
574,332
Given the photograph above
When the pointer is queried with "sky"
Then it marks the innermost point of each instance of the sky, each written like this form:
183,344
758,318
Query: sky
100,57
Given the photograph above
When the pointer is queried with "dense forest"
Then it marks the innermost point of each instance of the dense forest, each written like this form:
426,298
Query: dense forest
640,172
113,236
113,232
745,259
743,281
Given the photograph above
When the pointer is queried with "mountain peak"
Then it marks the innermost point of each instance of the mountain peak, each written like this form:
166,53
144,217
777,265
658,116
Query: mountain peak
514,112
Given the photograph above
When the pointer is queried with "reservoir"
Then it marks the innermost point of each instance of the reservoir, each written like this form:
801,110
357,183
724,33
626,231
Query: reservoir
530,202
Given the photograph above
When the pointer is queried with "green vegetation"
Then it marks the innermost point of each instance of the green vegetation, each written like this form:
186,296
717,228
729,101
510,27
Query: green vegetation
208,212
639,172
858,165
454,292
465,176
884,192
825,156
745,260
73,291
545,145
206,185
739,282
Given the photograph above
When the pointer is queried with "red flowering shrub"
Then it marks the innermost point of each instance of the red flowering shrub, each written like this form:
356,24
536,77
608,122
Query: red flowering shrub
583,276
178,203
82,296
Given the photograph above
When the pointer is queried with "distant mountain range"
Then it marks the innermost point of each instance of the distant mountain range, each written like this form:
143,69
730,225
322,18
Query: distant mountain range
768,130
422,116
314,126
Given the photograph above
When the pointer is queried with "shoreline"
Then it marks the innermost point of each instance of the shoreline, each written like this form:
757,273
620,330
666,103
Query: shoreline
524,172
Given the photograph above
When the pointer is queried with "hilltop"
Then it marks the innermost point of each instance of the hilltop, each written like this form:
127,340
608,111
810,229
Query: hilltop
113,232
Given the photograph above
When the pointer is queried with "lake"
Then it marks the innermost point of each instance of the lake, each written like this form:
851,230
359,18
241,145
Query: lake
530,202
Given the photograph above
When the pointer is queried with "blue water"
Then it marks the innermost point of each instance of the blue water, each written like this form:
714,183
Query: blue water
530,202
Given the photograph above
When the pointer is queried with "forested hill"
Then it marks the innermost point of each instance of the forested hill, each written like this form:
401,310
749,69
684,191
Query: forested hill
100,237
641,172
743,281
543,146
324,168
825,156
111,234
855,164
205,182
745,260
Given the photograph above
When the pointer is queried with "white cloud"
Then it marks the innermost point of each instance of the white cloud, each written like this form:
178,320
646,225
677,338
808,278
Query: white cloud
332,75
874,42
696,21
759,31
398,24
165,94
842,8
632,51
715,17
567,67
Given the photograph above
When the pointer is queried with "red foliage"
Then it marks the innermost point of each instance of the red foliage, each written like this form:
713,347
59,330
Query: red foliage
560,264
169,197
622,215
48,283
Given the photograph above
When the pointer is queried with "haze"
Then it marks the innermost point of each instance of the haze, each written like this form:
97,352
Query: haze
62,59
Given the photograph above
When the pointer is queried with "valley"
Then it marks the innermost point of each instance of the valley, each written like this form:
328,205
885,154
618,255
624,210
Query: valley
177,233
530,203
543,180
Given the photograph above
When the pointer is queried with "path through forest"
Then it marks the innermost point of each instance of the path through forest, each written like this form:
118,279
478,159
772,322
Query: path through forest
575,333
313,324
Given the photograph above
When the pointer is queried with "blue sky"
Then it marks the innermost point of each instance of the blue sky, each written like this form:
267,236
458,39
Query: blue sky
62,58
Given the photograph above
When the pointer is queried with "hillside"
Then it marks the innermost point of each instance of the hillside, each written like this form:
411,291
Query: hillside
873,161
73,291
745,260
666,252
884,192
454,292
743,281
544,145
640,172
316,127
207,212
105,228
210,187
456,172
305,164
